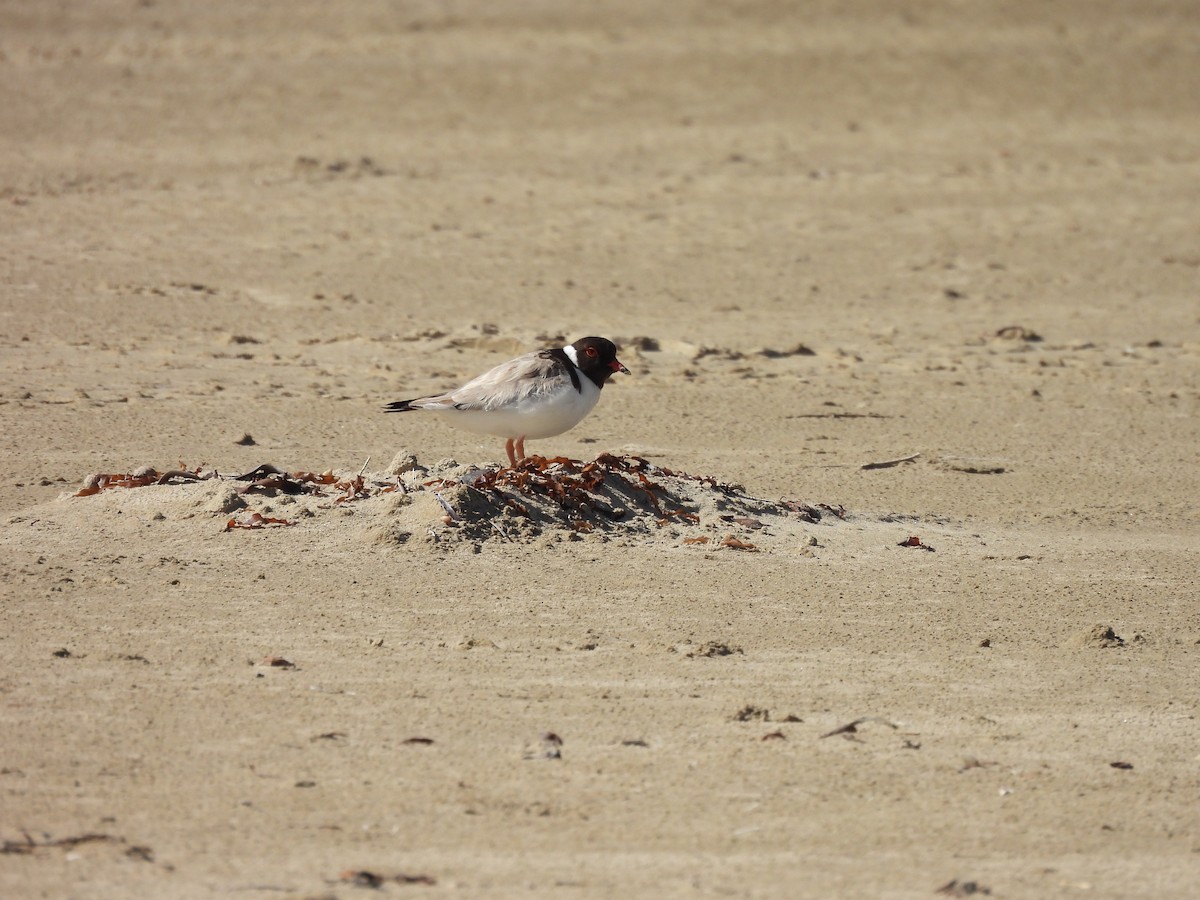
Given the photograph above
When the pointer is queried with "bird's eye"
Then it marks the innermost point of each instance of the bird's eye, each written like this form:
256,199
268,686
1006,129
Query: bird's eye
590,351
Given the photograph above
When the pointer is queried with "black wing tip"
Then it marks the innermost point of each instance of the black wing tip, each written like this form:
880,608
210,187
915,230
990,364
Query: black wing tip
398,406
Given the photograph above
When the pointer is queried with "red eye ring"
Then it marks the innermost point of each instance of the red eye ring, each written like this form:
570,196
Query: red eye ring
590,351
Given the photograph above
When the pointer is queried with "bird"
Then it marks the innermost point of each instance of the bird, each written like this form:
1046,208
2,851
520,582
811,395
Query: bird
538,395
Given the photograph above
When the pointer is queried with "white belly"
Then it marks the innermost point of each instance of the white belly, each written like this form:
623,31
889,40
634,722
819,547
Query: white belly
535,417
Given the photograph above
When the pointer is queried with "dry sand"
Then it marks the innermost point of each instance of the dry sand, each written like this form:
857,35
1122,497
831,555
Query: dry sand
227,218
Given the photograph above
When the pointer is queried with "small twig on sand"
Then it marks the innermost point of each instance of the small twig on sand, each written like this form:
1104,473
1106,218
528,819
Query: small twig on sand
68,843
852,727
446,506
888,463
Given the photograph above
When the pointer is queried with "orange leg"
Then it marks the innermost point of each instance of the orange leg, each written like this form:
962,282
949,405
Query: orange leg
521,449
508,448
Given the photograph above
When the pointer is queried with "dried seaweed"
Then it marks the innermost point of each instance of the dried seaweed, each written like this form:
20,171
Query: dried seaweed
608,493
255,520
575,486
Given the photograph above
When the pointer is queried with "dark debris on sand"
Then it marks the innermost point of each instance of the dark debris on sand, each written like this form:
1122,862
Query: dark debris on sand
448,504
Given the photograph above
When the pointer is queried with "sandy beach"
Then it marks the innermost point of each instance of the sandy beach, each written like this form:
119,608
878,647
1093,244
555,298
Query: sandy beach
909,296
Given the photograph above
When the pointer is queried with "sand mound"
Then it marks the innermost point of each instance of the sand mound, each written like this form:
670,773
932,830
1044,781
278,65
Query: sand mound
610,497
1098,636
447,504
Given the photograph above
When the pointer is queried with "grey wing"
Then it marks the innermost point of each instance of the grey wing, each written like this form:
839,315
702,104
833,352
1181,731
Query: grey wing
511,382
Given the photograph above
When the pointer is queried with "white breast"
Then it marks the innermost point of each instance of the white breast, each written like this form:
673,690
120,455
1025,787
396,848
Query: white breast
538,416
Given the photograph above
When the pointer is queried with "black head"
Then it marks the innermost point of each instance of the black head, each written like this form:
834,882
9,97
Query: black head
597,359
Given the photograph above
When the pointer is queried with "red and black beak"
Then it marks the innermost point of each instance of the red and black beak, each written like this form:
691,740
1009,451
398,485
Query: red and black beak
617,366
